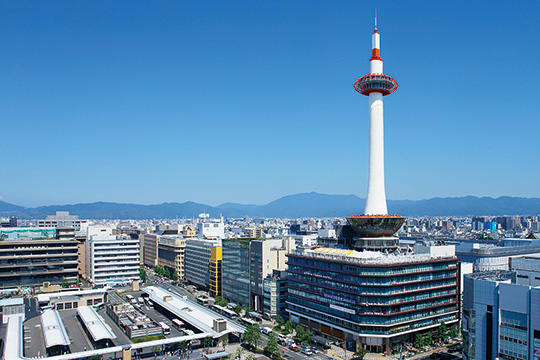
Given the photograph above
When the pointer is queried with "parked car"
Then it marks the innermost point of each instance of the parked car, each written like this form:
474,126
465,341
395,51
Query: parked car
314,350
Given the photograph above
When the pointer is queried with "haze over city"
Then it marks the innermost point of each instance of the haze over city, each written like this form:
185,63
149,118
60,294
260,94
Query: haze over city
247,102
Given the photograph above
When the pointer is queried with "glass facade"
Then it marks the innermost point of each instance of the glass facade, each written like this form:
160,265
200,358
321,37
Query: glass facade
513,335
236,271
383,299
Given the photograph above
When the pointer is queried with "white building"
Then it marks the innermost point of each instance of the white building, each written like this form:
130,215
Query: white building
63,219
111,259
211,228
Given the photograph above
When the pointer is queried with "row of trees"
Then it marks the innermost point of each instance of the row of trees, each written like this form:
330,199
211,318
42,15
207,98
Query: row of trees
165,272
443,333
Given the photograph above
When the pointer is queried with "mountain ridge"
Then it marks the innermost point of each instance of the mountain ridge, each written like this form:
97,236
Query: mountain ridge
291,206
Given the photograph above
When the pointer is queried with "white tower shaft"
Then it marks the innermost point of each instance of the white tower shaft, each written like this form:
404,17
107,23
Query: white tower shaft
376,195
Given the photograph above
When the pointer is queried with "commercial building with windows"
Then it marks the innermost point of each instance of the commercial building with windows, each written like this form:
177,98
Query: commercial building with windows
370,299
500,318
197,261
236,270
63,219
275,294
111,259
33,262
171,253
266,256
149,249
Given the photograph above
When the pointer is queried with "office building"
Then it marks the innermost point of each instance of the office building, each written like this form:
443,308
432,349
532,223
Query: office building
275,294
29,233
33,262
264,257
171,253
63,219
111,259
236,271
197,261
370,299
210,228
500,317
149,246
9,222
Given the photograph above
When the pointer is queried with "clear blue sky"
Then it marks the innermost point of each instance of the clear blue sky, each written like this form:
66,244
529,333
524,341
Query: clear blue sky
248,101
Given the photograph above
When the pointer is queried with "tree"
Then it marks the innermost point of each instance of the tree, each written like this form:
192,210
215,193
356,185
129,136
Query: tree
427,339
78,281
175,277
183,345
207,342
142,274
166,272
288,327
280,321
272,345
238,309
224,343
360,353
302,335
238,354
220,301
442,332
418,341
65,283
157,269
252,336
452,332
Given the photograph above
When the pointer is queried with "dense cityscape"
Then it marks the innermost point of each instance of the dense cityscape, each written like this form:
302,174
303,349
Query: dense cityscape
371,285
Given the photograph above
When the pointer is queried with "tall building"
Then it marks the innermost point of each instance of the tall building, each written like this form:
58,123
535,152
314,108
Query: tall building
171,253
149,247
236,271
63,219
370,293
197,261
275,294
500,318
33,262
264,257
111,259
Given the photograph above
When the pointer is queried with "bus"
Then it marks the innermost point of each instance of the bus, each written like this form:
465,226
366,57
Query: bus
166,328
131,299
178,323
229,313
248,322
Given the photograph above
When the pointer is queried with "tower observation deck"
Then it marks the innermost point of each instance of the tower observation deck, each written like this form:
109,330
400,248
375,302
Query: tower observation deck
375,227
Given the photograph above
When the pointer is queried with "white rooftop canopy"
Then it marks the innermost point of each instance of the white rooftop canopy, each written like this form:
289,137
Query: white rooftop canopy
53,328
95,324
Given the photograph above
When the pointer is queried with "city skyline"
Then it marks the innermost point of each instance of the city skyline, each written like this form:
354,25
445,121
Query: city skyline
246,102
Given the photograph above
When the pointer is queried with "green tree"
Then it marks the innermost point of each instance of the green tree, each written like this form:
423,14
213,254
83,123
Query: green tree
427,339
78,281
142,274
280,321
442,332
65,283
157,269
166,272
238,309
207,342
175,277
452,332
220,301
272,345
252,336
288,327
238,354
418,341
302,335
183,345
360,353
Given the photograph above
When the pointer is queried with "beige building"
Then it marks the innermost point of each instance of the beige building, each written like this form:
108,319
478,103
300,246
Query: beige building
171,254
149,249
189,231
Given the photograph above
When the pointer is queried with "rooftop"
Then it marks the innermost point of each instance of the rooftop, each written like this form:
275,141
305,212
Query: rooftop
53,329
199,317
494,275
95,324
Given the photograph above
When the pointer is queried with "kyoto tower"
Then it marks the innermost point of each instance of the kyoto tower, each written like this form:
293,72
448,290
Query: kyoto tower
376,228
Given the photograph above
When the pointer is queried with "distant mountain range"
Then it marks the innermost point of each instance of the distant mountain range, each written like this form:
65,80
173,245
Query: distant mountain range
292,206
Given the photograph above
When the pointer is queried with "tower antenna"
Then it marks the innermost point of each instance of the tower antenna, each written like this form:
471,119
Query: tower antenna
375,19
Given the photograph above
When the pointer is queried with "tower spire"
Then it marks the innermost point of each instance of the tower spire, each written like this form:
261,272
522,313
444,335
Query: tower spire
375,19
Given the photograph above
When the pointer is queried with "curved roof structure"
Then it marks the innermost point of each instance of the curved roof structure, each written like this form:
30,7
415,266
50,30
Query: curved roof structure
53,329
97,327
